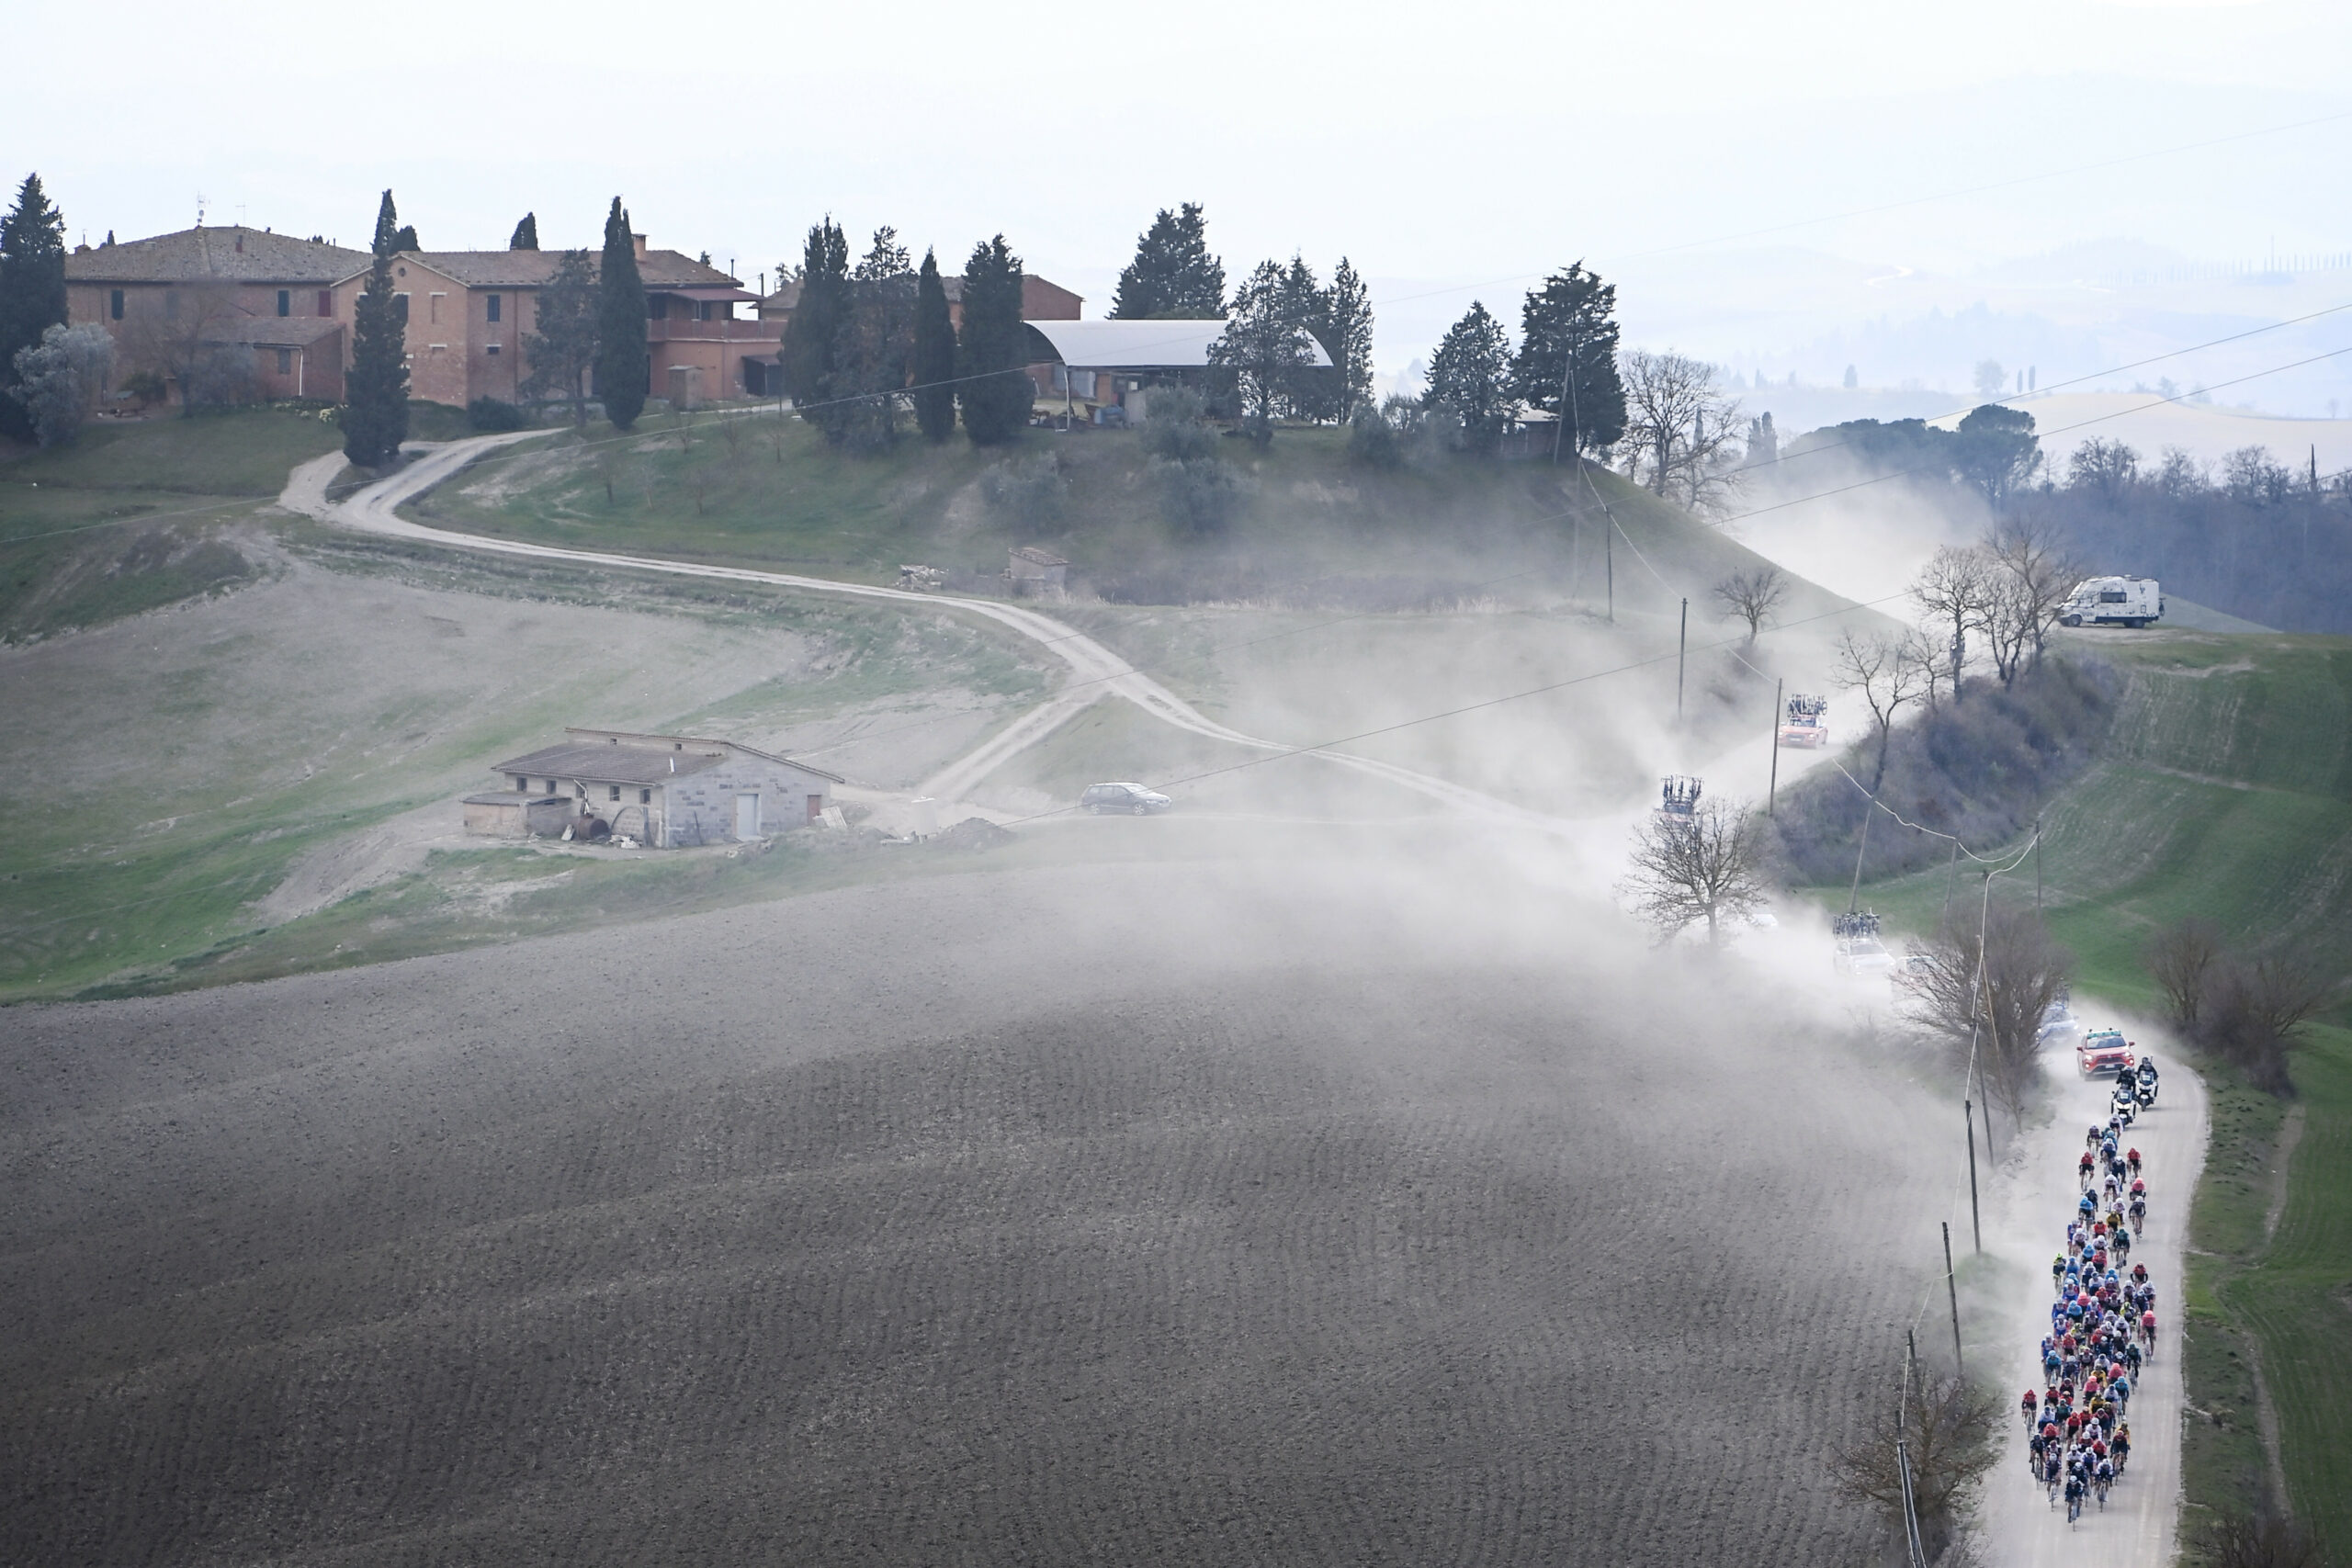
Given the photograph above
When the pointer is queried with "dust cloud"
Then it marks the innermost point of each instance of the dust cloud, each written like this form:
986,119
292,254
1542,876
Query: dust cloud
1346,1196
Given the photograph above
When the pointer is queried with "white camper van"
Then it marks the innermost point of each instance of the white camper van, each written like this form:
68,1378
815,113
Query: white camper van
2114,601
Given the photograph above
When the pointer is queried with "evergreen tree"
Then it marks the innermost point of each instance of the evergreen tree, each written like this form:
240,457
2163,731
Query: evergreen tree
935,358
623,361
1346,335
526,233
375,414
1266,345
1173,276
811,337
1572,316
996,389
1470,376
875,353
563,350
406,240
32,288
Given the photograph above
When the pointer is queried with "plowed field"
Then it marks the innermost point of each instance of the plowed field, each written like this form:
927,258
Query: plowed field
1230,1213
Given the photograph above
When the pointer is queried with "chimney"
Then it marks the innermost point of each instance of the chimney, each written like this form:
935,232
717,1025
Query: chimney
638,242
241,242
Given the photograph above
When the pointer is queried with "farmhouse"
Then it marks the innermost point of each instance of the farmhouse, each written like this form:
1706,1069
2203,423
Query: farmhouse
174,299
1040,302
668,790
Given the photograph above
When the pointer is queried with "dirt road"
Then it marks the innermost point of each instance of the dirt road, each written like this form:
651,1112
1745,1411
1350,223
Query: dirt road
1094,668
2139,1524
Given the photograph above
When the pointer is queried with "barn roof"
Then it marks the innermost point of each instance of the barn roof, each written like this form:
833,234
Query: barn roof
1133,345
609,764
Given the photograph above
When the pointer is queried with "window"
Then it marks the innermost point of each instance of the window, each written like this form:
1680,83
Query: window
490,305
433,309
326,301
286,362
400,309
645,797
286,302
657,307
490,349
617,791
523,785
114,304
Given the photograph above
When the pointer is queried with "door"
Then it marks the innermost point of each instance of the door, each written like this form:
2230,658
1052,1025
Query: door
747,816
815,806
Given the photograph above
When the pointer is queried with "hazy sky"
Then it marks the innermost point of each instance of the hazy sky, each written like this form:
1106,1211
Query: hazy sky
1447,148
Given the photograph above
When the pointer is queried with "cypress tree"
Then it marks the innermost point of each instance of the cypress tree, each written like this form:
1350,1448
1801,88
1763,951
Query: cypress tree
375,414
996,389
32,288
934,354
811,347
1572,318
406,240
624,364
1173,275
526,233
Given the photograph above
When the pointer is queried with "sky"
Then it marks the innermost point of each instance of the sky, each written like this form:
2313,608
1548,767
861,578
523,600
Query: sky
1740,169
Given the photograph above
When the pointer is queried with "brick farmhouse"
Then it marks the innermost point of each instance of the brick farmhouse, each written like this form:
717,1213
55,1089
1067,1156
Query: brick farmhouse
290,301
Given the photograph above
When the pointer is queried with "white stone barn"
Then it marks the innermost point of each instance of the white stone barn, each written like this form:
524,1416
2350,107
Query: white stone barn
668,790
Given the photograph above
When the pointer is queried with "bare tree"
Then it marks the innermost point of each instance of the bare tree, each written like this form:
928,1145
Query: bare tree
1706,867
2254,1010
1752,596
1886,672
2031,573
181,336
2106,468
1995,991
1948,1429
2260,1541
2182,958
1954,589
1679,427
1920,648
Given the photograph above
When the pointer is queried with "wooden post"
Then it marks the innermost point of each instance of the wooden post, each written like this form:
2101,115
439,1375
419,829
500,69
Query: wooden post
1772,790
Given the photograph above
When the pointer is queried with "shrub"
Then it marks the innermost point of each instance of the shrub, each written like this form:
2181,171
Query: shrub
1201,496
1026,489
1175,426
1372,440
147,386
494,415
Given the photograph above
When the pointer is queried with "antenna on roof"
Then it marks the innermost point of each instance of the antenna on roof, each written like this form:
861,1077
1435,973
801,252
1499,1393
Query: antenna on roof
200,210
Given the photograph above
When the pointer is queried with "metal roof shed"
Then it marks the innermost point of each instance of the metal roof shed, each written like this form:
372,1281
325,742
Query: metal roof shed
1133,345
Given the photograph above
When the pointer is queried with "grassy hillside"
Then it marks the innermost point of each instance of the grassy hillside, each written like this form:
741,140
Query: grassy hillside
2225,791
133,515
1315,528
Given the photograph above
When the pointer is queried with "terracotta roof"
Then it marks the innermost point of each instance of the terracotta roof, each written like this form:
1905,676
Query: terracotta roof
528,269
233,254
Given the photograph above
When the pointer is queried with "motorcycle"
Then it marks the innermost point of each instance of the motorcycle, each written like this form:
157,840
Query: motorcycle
2147,1096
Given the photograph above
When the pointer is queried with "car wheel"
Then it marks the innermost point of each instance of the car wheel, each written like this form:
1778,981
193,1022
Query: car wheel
1140,810
2071,621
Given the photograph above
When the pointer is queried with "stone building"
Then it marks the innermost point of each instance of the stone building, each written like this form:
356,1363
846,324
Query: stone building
667,791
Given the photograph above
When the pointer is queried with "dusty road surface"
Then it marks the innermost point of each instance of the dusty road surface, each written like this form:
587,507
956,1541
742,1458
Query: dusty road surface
1265,1210
2141,1522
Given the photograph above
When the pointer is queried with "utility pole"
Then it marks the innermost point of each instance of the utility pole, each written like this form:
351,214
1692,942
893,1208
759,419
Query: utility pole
1952,882
1975,1220
2037,862
1609,557
1681,652
1917,1555
1772,790
1951,1287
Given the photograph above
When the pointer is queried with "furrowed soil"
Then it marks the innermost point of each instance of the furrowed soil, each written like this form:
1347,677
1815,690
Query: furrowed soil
1268,1209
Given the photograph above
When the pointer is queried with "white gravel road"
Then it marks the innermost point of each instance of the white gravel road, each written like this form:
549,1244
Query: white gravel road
2140,1525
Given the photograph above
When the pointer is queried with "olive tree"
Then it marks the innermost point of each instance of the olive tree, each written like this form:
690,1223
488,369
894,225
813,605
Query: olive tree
60,380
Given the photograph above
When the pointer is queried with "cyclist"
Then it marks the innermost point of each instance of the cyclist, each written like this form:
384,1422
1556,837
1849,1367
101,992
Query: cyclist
2131,1161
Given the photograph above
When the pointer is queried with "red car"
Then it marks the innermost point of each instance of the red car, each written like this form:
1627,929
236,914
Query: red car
2103,1051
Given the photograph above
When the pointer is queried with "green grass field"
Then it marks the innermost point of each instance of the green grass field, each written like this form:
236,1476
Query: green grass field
2225,792
757,490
